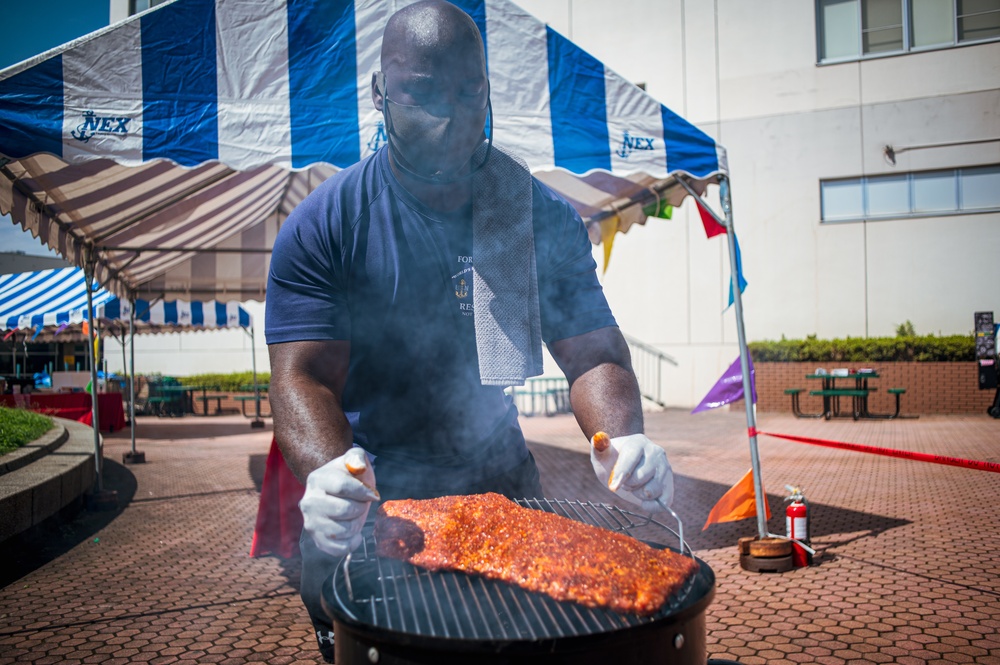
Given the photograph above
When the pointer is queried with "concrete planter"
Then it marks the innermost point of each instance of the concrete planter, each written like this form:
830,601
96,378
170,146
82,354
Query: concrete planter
36,484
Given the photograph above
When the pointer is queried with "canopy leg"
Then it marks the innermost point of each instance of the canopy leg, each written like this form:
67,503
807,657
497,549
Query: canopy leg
99,499
132,457
758,485
257,422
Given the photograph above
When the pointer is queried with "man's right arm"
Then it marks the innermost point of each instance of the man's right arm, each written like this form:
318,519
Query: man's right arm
307,384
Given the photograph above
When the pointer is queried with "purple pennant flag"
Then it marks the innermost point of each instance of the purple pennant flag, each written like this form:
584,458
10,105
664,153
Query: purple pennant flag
729,388
61,328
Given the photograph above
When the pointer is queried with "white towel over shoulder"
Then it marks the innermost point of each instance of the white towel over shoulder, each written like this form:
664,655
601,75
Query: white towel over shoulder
505,284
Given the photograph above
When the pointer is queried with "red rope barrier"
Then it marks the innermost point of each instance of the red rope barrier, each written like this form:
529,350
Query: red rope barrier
890,452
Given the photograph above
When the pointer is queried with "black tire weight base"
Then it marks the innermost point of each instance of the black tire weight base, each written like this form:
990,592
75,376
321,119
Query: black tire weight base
777,564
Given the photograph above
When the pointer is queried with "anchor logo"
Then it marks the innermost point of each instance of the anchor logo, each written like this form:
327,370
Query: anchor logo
94,124
630,143
379,139
461,288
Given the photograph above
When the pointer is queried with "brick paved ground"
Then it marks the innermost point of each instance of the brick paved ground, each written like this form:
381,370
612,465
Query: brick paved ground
907,570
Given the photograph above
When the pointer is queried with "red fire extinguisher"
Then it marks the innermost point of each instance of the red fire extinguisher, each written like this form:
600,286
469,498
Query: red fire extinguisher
797,525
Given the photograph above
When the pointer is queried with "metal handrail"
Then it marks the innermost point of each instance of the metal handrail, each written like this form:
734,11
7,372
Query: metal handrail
647,363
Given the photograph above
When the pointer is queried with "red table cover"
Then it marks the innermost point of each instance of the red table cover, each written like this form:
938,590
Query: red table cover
279,520
72,406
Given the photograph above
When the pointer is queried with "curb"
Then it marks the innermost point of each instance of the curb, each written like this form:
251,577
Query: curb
38,448
58,475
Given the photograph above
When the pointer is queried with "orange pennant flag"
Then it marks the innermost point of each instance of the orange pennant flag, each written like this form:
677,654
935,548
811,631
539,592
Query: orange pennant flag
738,503
85,328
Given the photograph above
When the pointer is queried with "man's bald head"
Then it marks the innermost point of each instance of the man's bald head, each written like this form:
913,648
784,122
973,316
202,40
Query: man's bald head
432,90
434,30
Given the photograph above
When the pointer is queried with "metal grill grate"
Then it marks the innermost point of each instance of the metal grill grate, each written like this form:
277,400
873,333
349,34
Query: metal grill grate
397,596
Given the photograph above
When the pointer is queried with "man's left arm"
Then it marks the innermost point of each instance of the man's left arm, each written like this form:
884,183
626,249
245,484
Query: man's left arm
603,389
605,397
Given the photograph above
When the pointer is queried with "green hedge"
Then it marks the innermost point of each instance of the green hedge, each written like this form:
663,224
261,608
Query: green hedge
231,382
18,427
920,348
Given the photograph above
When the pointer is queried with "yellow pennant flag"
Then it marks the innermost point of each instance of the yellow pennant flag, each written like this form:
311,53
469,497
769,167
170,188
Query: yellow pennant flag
609,227
738,503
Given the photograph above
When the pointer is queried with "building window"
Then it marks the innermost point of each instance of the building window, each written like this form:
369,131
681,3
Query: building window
881,26
853,29
978,19
923,194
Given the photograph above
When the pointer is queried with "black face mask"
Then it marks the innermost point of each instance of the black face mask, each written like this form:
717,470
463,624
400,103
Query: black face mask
414,130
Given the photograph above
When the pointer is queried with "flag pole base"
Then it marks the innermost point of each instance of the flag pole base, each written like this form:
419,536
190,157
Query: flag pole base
766,555
754,564
138,457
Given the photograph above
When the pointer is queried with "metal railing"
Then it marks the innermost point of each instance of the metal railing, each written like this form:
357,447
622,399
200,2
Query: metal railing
542,395
647,363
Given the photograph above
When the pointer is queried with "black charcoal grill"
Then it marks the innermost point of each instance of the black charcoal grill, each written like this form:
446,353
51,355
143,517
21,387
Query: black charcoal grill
390,612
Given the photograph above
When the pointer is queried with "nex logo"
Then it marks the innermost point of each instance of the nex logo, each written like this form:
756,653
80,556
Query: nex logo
94,124
630,143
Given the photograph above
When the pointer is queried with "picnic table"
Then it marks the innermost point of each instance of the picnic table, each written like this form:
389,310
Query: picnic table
177,400
853,385
260,395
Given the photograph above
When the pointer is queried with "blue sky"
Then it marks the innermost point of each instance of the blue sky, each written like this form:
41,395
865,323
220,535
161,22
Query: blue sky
33,27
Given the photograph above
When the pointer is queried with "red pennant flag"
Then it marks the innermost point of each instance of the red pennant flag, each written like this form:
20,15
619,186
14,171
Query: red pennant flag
738,503
712,227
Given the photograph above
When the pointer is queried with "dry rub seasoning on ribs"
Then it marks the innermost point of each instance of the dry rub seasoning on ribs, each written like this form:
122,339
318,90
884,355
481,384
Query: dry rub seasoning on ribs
490,535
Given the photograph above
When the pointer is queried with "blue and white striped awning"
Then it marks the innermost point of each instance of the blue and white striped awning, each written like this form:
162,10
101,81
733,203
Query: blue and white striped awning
54,299
201,123
46,298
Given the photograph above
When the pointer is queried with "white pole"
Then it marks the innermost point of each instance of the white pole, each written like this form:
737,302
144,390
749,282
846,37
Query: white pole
131,369
758,485
91,336
256,388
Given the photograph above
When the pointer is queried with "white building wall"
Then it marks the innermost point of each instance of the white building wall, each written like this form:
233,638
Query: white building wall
747,74
198,352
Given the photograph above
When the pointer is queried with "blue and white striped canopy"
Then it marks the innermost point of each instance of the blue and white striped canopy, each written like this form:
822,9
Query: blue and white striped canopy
46,298
201,123
58,298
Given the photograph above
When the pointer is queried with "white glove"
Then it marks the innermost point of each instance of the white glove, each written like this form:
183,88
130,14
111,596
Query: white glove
336,502
634,468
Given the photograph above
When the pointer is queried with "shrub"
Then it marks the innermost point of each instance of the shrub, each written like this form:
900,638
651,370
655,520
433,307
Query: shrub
920,348
232,382
18,427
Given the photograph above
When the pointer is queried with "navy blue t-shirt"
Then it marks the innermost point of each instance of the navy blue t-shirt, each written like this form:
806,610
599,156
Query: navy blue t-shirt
362,260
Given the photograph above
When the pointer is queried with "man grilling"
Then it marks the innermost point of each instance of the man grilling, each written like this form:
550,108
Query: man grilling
409,289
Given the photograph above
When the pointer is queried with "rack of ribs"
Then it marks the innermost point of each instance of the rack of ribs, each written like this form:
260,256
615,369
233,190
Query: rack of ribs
490,535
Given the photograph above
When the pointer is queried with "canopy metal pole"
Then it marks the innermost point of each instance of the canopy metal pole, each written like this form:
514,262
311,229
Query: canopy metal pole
758,485
91,355
121,340
131,369
257,422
